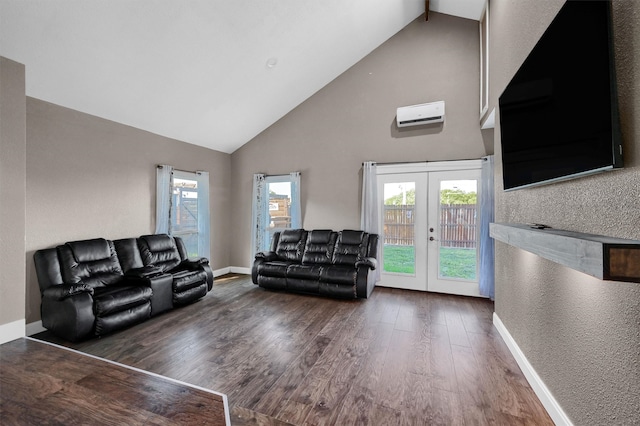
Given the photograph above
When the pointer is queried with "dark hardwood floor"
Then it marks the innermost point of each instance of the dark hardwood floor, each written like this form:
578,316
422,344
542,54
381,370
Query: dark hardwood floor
400,357
41,384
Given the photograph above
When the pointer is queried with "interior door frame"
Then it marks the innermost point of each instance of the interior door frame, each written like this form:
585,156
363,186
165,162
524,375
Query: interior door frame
417,168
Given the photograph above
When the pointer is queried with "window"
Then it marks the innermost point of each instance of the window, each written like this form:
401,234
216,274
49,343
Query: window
276,206
182,208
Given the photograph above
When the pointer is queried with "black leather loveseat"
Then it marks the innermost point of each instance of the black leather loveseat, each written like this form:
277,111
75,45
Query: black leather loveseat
337,264
93,287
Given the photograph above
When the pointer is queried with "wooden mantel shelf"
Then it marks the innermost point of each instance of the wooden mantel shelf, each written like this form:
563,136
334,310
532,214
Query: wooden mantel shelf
603,257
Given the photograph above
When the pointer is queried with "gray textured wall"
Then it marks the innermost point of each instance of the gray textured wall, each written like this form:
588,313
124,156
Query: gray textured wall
12,190
88,177
352,120
581,335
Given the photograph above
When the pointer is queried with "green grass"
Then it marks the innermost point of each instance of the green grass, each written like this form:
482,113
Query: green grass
399,259
454,262
458,263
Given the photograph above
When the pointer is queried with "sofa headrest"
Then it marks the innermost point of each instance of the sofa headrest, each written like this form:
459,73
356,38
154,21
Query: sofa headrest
159,242
291,235
319,236
90,250
291,245
320,246
351,237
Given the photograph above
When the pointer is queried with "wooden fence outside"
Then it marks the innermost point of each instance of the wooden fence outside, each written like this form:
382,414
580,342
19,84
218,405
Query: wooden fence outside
399,225
457,229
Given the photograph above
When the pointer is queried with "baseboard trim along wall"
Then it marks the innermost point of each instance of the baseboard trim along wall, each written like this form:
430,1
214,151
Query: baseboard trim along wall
12,331
232,270
546,397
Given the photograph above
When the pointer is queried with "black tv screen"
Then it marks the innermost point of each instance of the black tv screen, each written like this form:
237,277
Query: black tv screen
559,114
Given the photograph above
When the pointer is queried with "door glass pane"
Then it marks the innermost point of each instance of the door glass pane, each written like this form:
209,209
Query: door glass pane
184,213
279,207
458,229
399,227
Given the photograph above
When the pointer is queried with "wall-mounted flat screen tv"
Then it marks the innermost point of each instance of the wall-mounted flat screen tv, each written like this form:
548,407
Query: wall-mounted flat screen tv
559,114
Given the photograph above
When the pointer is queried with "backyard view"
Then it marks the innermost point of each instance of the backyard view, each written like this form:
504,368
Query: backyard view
457,245
184,213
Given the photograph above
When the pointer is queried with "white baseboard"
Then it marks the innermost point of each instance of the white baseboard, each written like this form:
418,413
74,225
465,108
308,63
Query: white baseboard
223,271
12,331
546,397
240,270
232,270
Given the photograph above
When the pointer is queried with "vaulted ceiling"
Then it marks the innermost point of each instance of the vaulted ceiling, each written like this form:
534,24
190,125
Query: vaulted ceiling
208,72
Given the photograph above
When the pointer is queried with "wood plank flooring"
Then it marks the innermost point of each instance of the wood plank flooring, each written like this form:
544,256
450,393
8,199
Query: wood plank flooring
42,384
397,358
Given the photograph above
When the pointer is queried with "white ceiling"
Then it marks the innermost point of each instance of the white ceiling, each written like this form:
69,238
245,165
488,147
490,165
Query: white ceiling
208,72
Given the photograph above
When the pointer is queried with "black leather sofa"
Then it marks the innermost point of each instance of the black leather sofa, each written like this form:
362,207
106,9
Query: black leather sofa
336,264
93,287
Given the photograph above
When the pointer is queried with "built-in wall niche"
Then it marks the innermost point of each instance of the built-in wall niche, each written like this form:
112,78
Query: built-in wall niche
606,258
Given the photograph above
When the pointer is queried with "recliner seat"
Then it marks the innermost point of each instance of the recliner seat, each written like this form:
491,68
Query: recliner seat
94,287
190,278
336,264
94,263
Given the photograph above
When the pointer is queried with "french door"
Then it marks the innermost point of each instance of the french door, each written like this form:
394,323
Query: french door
403,212
430,227
454,229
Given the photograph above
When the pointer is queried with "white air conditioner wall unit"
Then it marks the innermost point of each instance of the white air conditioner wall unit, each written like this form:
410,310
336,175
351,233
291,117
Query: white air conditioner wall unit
416,115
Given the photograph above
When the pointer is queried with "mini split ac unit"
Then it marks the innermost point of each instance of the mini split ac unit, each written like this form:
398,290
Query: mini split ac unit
416,115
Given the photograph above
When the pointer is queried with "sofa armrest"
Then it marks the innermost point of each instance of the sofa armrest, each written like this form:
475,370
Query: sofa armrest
260,258
207,269
370,262
63,291
365,281
145,272
200,260
266,256
195,263
71,318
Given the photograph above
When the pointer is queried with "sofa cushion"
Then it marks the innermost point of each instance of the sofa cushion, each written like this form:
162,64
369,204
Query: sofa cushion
338,290
350,247
291,245
339,274
128,254
91,262
303,285
276,283
184,280
122,319
274,269
191,294
110,300
307,272
159,250
319,247
90,250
